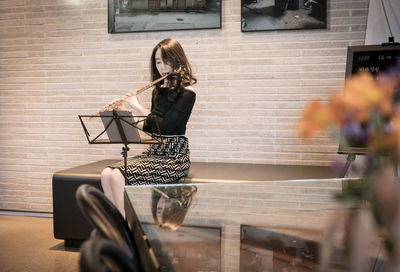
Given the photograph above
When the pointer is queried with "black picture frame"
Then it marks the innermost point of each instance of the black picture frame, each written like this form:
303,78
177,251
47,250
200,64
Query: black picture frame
163,15
263,15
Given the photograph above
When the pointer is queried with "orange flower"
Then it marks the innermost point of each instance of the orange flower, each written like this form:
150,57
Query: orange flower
361,94
315,117
338,108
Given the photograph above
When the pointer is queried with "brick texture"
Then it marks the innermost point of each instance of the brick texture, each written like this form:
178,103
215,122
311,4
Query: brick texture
58,61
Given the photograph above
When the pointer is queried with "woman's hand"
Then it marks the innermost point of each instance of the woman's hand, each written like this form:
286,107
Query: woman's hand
166,83
118,104
132,100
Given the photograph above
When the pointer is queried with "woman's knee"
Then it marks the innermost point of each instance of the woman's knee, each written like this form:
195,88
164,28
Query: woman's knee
117,177
106,174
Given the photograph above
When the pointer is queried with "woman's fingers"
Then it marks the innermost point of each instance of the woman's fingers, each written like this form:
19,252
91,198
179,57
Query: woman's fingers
131,93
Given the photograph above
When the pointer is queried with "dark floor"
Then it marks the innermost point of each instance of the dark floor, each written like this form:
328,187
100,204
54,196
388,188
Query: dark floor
27,244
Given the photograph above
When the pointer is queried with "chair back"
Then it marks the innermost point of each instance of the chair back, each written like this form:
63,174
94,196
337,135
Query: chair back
105,217
101,255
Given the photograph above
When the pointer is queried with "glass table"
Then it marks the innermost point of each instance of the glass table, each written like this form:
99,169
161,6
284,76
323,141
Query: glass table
241,226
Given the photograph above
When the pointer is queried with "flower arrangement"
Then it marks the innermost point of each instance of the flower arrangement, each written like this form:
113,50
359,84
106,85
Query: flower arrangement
367,111
365,115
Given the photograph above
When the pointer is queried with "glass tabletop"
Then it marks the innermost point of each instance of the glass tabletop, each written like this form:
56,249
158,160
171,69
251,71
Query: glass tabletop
256,226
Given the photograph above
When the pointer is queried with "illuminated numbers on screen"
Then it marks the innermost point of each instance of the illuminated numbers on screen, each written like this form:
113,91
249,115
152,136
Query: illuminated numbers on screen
363,58
374,69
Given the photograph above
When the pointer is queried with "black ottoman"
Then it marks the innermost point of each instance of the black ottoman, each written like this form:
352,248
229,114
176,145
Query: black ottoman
68,222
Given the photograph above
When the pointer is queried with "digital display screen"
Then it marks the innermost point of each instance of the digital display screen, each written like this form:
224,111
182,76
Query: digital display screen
374,61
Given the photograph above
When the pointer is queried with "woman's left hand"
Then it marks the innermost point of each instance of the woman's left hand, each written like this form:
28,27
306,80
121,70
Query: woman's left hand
132,100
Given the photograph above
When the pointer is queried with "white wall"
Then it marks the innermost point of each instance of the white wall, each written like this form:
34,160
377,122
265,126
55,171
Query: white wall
57,61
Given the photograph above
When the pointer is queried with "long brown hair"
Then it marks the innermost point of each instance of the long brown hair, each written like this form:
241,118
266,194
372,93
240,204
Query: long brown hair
173,54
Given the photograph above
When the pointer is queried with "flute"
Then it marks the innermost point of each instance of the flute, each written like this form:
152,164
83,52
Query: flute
112,105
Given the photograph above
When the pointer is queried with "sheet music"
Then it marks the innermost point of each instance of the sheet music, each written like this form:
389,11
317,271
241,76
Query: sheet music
127,121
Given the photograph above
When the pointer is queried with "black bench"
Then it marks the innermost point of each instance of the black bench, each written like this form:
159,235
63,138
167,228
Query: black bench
70,225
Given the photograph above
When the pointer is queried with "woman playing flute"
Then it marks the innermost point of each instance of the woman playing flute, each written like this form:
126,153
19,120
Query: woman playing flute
171,106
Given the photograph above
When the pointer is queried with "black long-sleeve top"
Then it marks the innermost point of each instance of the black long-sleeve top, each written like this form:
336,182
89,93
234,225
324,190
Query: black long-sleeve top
172,117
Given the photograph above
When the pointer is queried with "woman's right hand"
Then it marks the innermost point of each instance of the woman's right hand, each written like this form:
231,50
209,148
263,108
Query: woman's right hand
118,105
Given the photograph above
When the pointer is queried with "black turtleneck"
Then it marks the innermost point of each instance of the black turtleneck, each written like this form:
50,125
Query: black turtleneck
171,117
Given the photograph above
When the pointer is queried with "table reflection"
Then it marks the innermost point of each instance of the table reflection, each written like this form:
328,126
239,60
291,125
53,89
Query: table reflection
169,205
258,226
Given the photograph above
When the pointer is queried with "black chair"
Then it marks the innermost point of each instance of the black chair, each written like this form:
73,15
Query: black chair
109,223
105,218
101,255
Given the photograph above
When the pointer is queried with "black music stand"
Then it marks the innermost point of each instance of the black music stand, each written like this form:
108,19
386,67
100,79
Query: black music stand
124,122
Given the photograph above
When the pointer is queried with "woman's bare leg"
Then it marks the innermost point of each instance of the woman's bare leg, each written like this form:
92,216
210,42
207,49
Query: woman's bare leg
118,187
106,183
113,183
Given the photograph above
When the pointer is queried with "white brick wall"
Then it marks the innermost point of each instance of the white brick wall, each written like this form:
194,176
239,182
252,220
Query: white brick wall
57,61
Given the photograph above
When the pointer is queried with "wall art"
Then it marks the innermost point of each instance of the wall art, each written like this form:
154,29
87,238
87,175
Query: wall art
157,15
260,15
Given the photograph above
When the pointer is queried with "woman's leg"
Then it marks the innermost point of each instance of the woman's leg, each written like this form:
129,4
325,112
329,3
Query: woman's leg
113,183
106,183
117,187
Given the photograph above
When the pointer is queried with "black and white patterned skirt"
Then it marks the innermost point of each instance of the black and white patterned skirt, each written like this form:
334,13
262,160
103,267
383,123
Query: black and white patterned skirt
161,163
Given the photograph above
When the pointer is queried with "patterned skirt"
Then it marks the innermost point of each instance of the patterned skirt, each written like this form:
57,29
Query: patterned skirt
161,163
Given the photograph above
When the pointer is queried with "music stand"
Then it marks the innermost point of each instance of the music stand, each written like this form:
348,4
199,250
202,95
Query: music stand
120,124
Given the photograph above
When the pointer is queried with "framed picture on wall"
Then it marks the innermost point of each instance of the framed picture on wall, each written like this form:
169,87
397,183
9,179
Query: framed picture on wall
157,15
258,15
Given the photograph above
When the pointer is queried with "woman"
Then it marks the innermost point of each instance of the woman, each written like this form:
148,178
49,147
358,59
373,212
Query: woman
172,103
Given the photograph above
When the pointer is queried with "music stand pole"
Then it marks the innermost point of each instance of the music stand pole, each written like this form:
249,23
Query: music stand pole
124,154
125,148
350,158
